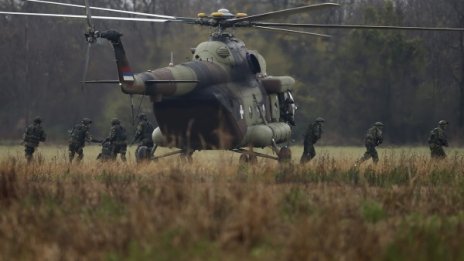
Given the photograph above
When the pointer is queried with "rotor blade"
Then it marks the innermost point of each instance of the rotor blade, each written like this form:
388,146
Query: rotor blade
86,66
102,82
87,13
147,81
284,12
342,26
171,81
292,31
104,9
150,20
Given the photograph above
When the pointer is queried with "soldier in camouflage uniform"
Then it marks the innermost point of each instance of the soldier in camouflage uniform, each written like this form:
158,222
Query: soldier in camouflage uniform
143,133
118,139
437,140
32,136
374,138
78,136
313,134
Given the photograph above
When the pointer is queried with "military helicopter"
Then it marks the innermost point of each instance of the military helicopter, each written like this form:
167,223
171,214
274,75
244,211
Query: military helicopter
223,99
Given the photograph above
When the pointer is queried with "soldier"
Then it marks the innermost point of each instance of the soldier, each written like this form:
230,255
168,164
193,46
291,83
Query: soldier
143,133
374,138
287,107
78,136
118,139
313,134
107,151
32,136
437,140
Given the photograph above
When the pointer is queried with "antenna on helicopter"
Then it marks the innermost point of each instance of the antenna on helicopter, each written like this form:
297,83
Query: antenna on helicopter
132,109
171,63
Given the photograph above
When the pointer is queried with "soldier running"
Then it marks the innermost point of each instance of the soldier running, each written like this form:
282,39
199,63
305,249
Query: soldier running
78,136
313,134
118,139
143,133
437,140
374,138
32,136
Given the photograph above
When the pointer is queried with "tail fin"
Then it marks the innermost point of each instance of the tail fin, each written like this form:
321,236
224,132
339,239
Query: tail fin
126,76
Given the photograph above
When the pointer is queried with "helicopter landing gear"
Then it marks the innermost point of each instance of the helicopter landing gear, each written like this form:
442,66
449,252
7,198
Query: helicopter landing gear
186,156
248,158
144,153
284,155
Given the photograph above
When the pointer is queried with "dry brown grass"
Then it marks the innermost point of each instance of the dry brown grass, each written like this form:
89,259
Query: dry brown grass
405,208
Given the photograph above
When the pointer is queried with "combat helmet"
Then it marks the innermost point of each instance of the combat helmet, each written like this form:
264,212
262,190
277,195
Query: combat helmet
320,119
115,121
442,122
37,120
86,121
379,124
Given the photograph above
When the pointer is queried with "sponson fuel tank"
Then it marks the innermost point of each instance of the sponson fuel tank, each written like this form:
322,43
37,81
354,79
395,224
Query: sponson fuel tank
258,135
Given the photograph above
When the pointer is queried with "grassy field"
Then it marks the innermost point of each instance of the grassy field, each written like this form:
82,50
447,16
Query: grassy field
405,208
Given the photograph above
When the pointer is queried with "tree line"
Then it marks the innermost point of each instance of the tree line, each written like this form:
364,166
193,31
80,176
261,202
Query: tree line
408,80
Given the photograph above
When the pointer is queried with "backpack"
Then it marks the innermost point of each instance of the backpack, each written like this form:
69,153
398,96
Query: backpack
122,135
78,133
433,136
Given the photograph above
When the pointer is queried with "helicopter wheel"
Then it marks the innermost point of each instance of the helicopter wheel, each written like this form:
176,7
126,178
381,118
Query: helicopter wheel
248,158
284,155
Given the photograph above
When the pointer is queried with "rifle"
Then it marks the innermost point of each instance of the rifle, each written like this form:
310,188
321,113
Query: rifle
96,140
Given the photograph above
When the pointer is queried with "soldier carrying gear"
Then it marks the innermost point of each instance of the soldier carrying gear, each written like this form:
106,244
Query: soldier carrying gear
313,134
437,140
32,136
144,132
374,138
143,137
118,139
107,151
78,136
287,107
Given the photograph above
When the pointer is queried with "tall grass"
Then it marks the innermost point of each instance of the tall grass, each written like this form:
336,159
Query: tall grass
405,208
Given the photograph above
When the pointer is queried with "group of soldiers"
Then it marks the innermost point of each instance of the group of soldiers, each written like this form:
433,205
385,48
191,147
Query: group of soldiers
374,137
114,144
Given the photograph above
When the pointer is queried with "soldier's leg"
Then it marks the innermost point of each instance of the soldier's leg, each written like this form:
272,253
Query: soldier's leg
366,156
80,154
432,155
305,157
29,151
442,153
123,151
72,152
437,152
312,152
114,151
374,155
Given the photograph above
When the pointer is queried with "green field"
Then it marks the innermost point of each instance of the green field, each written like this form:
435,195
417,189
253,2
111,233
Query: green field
405,208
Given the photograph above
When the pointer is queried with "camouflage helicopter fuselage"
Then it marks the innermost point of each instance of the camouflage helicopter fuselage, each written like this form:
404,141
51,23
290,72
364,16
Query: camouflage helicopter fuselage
222,99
